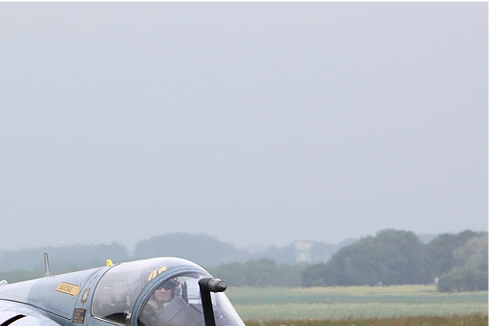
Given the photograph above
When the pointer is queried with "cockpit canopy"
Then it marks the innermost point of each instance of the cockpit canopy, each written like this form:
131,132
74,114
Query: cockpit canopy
158,292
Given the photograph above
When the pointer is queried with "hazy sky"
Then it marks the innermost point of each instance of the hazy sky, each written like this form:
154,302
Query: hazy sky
256,123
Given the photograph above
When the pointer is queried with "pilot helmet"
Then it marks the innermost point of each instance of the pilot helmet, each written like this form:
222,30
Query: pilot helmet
171,284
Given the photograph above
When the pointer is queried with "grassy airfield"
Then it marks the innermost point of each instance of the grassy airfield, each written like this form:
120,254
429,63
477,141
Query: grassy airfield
393,305
469,320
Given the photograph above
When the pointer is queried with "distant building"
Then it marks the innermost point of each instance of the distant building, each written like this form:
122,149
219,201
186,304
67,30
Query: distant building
303,251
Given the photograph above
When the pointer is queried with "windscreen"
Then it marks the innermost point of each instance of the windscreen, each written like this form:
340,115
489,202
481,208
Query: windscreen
177,302
168,298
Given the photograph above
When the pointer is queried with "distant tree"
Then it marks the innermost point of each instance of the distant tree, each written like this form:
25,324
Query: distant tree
259,273
201,248
316,274
470,266
473,255
285,254
20,275
440,253
63,258
71,258
463,280
318,252
391,257
399,257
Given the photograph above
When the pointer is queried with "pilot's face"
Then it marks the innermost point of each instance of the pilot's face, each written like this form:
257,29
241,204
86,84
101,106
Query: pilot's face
163,295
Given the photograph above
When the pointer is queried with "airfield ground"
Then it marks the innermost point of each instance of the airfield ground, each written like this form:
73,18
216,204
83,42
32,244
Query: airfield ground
283,305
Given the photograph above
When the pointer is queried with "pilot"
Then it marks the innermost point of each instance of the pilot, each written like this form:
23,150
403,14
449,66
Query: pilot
166,308
165,293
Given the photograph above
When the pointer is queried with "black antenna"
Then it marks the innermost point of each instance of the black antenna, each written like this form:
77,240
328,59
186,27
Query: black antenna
47,268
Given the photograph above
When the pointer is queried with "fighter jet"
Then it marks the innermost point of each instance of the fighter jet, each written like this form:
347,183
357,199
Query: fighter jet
164,291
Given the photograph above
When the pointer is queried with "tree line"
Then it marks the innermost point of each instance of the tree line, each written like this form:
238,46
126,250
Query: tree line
452,261
393,257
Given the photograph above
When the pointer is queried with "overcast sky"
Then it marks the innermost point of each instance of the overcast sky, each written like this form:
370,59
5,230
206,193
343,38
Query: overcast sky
256,123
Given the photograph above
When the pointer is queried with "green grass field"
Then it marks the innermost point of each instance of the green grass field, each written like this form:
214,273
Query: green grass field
467,320
355,303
